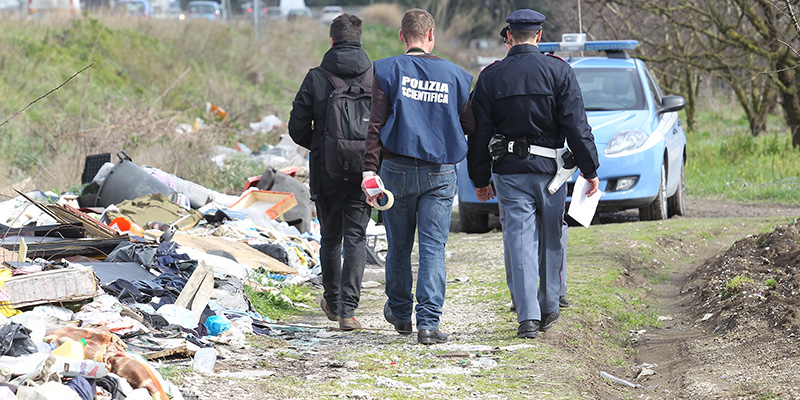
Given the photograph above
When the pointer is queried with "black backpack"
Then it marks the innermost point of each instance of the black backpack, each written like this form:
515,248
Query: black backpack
343,142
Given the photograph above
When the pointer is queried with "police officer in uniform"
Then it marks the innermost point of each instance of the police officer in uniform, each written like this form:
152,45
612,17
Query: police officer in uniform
563,302
525,107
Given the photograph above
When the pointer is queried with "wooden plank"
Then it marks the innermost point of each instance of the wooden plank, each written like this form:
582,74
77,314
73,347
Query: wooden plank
181,350
95,248
244,254
94,227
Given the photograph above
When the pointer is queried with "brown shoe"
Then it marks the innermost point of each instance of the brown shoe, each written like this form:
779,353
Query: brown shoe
349,324
324,306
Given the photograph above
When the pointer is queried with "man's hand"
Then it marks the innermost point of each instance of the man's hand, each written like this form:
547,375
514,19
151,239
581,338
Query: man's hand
484,193
594,184
372,186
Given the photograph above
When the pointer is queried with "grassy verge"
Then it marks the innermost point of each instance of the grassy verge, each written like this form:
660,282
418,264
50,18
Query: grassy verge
726,162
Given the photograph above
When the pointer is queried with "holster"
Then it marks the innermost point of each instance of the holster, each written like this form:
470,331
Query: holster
565,167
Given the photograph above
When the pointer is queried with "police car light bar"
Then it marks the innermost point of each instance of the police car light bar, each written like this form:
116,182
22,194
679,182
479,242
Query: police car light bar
577,42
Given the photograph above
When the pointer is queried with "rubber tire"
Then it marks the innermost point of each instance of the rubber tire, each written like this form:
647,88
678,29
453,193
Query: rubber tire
677,203
471,221
657,210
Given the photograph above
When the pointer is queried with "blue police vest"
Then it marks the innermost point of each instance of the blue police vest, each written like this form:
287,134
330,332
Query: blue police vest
426,97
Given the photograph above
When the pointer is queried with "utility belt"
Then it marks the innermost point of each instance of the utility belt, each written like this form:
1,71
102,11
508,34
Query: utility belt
499,146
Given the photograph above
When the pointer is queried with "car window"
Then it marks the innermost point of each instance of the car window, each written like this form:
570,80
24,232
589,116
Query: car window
201,9
606,89
131,8
655,90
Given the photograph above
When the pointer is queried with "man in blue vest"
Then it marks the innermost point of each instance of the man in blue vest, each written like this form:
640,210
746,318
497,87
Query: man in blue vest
520,130
418,120
343,216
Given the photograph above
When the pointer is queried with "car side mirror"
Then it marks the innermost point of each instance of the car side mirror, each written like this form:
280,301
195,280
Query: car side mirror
671,103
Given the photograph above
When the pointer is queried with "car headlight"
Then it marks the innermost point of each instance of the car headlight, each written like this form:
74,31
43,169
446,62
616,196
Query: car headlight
626,140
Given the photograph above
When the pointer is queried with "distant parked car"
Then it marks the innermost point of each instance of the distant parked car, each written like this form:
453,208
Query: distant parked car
133,8
44,6
274,13
204,9
329,13
248,10
298,13
174,10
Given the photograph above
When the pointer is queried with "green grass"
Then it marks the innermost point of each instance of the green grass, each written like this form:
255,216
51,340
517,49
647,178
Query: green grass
150,76
174,374
278,301
726,162
734,286
770,282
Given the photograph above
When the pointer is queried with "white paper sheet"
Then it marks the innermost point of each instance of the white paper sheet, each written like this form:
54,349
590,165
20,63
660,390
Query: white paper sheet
582,208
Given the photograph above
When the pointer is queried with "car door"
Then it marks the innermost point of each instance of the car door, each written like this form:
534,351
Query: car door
674,139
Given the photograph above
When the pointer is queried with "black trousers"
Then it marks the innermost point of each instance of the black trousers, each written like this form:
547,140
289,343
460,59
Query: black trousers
343,217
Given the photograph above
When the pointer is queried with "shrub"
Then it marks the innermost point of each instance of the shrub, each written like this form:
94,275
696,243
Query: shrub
734,286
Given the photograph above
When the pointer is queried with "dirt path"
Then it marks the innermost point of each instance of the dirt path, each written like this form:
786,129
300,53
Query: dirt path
713,351
666,350
703,208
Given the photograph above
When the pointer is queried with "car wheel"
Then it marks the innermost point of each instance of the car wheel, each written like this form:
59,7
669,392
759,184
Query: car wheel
677,203
472,221
657,210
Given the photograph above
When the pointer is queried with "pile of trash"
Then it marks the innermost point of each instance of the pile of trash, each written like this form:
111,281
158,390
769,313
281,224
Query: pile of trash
142,266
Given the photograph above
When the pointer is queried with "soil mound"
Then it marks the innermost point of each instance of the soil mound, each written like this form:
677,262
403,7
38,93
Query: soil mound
757,280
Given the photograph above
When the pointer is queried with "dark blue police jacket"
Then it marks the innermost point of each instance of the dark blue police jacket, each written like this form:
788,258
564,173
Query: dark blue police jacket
426,97
529,95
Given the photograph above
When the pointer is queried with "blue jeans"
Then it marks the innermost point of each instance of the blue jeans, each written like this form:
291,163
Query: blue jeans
532,232
423,201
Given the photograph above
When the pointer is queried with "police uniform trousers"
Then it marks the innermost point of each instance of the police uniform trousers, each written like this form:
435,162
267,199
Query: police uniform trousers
532,232
507,255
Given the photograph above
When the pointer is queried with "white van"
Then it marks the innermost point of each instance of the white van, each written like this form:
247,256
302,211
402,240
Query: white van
43,6
287,6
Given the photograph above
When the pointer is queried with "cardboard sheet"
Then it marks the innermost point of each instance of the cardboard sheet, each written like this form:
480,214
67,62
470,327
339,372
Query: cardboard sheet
243,253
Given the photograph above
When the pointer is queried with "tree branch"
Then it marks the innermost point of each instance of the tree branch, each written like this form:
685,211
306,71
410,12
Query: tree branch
45,95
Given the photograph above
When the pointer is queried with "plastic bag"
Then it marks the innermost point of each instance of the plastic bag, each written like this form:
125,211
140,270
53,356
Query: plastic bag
217,324
15,341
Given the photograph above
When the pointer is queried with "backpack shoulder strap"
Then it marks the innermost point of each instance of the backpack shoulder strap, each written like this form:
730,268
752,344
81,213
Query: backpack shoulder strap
336,81
366,79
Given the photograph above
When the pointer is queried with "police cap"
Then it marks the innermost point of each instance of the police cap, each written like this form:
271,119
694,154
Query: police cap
525,20
504,32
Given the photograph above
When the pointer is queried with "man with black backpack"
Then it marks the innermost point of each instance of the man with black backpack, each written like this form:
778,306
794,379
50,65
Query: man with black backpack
329,117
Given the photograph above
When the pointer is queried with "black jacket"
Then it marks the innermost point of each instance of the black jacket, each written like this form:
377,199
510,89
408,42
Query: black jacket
307,120
529,95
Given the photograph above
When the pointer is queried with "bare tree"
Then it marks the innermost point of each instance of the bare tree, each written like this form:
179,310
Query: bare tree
733,40
787,68
466,19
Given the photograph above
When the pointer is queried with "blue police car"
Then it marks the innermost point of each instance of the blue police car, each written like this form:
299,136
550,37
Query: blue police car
640,140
